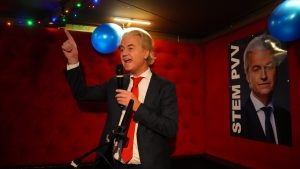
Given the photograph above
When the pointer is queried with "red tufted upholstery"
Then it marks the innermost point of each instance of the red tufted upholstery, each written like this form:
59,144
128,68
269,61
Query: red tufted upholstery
41,123
182,63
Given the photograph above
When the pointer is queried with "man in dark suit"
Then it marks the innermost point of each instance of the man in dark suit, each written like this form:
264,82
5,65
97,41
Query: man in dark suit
261,119
155,118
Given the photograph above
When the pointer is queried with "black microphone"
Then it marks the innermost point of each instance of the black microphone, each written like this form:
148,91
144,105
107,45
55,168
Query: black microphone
120,77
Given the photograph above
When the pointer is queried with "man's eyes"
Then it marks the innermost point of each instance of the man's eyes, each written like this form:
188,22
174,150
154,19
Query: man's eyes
256,68
267,67
122,49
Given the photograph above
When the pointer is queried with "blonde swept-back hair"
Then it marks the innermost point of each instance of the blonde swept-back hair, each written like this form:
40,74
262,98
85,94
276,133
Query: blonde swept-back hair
147,42
265,42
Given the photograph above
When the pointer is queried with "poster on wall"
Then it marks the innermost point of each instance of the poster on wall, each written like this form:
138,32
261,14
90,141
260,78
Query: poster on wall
259,90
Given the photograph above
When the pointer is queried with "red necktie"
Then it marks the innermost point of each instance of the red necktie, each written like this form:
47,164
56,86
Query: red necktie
127,151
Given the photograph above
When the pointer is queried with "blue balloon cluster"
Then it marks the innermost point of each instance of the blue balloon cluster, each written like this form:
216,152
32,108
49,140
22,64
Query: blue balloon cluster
106,38
284,22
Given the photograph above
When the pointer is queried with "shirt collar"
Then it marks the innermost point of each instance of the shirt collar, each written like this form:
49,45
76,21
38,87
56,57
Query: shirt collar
147,74
257,104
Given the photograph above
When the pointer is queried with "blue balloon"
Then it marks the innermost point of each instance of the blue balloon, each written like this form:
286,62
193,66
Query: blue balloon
106,38
284,22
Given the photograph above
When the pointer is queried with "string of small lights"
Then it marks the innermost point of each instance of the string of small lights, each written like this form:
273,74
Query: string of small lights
71,8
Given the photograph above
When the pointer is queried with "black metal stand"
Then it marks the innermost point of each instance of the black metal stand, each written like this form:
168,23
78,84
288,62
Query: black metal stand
118,134
76,163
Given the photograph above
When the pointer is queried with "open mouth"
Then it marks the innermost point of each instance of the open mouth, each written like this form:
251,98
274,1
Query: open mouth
127,60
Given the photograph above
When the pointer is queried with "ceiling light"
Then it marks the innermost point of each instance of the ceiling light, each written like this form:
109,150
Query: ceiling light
8,23
129,20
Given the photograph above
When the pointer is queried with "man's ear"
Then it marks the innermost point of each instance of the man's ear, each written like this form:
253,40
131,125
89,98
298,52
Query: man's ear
248,80
147,52
246,74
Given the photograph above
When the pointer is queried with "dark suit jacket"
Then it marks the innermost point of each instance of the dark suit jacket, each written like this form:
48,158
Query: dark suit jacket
157,116
252,129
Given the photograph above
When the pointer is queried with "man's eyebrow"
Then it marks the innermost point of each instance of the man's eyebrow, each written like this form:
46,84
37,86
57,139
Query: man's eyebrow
122,46
255,66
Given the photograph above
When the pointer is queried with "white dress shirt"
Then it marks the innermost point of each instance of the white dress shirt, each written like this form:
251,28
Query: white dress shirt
261,115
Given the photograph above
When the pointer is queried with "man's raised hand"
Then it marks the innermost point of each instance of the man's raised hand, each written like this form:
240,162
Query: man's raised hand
69,48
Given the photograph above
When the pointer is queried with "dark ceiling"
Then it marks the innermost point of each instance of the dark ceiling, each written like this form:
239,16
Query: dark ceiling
194,19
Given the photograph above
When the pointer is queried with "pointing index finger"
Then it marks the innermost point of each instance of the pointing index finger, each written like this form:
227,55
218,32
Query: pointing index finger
69,35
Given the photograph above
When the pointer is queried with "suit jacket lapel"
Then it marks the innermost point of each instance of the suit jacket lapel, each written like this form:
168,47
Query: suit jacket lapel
257,129
153,85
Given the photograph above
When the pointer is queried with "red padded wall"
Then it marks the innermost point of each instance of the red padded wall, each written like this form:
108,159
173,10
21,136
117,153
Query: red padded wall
183,64
41,123
219,143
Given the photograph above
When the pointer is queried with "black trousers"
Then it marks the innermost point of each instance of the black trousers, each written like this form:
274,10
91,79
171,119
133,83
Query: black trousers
119,165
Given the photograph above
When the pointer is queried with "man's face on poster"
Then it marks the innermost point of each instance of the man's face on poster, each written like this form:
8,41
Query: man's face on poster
261,73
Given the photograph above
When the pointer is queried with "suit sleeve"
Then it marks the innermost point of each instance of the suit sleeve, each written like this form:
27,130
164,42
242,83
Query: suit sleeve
80,90
164,119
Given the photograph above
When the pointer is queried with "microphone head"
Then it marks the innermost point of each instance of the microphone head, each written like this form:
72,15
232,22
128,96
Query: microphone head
119,70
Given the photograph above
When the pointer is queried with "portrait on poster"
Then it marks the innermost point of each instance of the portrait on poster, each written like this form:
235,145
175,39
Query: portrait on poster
259,89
